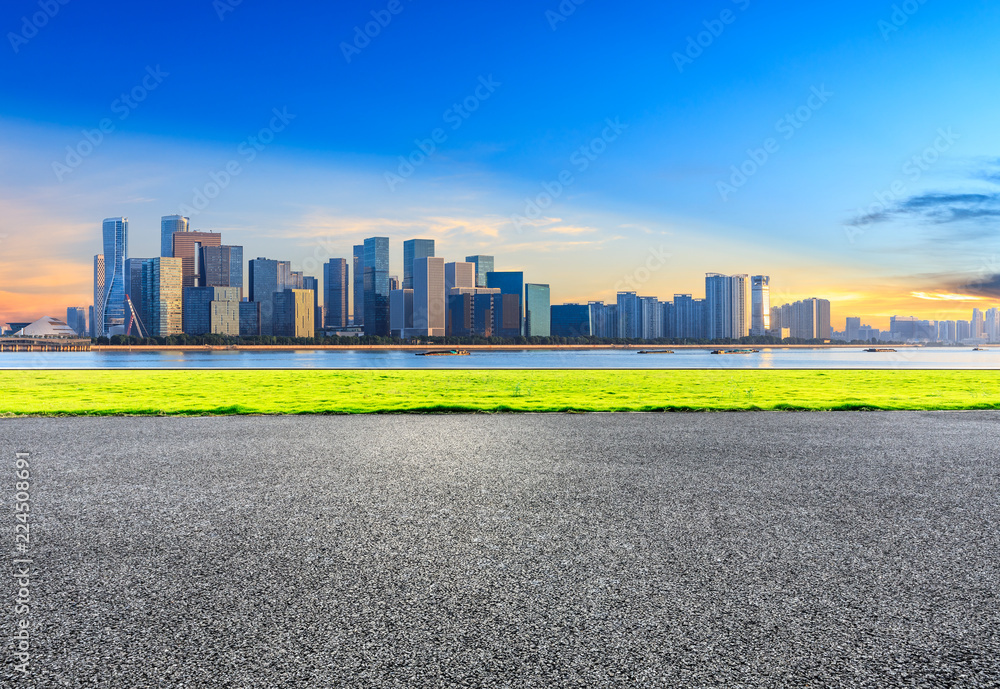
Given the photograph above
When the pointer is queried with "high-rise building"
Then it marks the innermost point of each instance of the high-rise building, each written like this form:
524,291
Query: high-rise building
90,321
823,329
571,320
76,318
690,322
471,311
400,312
429,307
134,288
978,326
266,278
377,287
335,282
115,232
222,266
97,317
359,285
459,274
213,310
507,318
169,225
293,313
311,283
162,280
484,265
760,305
187,247
726,297
249,319
510,283
605,319
629,316
537,316
992,332
414,249
852,328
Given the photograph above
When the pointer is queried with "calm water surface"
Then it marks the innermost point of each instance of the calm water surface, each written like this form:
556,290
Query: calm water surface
924,357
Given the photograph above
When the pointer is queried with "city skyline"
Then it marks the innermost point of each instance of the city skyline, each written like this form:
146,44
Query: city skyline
870,180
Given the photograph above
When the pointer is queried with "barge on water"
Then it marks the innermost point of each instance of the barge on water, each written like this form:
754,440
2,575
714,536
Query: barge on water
655,351
736,351
445,352
879,349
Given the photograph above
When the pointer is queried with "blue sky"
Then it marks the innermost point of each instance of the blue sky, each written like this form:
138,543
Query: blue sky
825,106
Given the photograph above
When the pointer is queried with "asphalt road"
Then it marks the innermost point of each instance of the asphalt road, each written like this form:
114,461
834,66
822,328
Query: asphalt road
677,550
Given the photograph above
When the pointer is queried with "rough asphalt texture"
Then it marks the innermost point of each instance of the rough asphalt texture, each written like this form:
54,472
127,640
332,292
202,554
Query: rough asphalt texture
694,550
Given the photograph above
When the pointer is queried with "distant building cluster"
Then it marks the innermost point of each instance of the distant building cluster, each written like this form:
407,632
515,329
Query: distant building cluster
983,328
196,287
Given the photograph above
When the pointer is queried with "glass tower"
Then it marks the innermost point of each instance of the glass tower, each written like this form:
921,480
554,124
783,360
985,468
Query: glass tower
537,319
509,283
376,282
484,264
168,225
412,250
115,251
359,284
335,279
760,305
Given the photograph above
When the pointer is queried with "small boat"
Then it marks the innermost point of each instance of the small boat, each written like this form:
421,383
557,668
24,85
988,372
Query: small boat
445,352
879,349
736,351
656,351
980,349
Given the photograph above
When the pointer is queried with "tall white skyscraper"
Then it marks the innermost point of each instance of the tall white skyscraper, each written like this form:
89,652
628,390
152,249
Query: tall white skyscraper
429,313
115,232
726,300
97,316
760,305
168,225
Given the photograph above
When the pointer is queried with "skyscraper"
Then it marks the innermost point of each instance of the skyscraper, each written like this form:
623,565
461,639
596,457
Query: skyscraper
377,286
459,274
726,297
97,318
760,305
571,320
537,316
293,313
484,264
359,284
629,316
335,281
222,266
429,313
76,318
169,224
115,232
400,312
211,310
510,283
267,277
412,250
852,327
162,280
187,247
312,284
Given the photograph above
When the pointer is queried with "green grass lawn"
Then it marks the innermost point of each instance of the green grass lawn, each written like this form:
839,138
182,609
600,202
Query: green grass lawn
195,392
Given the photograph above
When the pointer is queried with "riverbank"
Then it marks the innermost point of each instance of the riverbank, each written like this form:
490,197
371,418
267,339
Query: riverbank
483,348
231,392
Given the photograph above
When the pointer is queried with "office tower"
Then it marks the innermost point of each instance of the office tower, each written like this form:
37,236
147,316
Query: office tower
400,312
428,297
394,282
293,313
726,303
296,279
760,305
214,310
571,320
459,274
115,235
249,319
507,319
97,318
537,315
992,325
651,313
978,326
414,249
963,330
359,285
377,287
90,321
823,329
187,247
264,283
169,225
605,319
222,266
510,283
484,265
472,311
76,318
311,283
629,316
134,288
851,329
335,281
162,281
